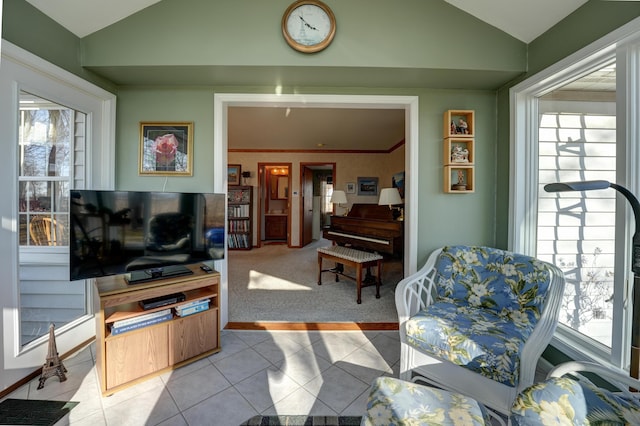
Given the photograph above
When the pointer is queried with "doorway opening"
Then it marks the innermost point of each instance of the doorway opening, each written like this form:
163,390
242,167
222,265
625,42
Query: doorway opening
274,207
408,104
316,187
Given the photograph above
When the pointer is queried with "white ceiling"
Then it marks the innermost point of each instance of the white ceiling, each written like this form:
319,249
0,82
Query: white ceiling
317,129
83,17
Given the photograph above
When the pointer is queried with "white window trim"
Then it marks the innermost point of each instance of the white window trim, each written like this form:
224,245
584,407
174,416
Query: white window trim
622,44
22,70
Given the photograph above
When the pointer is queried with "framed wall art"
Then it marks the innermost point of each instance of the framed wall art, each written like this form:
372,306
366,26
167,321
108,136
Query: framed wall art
166,148
234,172
397,181
367,186
350,188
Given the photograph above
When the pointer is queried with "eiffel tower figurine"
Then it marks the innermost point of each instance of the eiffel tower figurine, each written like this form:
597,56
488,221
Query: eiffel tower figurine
52,366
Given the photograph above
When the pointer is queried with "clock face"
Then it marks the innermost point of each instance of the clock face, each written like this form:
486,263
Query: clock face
308,25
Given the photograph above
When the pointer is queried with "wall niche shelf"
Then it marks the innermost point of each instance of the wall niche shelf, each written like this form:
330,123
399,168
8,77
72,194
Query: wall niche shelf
459,151
459,179
452,124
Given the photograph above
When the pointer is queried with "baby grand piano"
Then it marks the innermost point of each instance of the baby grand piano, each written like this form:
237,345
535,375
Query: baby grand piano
369,227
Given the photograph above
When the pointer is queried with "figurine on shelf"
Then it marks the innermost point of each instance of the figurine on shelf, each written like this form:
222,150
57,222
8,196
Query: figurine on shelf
453,129
459,154
462,128
460,186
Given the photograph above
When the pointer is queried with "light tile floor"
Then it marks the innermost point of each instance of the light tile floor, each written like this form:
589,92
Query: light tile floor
256,372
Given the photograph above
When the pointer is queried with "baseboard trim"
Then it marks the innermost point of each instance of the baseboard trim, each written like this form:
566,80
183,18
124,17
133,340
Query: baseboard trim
305,326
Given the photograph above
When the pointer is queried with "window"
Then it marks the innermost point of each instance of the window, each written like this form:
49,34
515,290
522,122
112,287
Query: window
576,231
47,137
36,290
566,128
46,152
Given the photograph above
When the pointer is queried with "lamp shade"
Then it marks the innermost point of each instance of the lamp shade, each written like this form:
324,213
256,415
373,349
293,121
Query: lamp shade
389,197
338,197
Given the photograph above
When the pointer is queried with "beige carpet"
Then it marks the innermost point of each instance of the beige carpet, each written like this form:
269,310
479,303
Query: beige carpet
277,283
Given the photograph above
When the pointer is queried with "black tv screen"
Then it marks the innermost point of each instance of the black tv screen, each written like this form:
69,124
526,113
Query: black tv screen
145,235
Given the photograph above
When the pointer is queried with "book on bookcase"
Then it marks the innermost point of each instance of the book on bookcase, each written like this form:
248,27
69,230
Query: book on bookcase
140,324
140,318
192,308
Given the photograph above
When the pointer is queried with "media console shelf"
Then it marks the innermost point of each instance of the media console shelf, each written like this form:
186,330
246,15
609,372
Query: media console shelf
130,357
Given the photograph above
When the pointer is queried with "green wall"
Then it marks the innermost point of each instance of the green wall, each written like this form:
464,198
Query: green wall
443,218
412,34
204,46
27,27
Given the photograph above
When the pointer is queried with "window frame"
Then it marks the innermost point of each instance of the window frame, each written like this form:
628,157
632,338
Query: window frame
24,71
622,44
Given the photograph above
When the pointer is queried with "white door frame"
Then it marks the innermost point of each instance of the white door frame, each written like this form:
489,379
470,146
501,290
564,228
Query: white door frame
222,101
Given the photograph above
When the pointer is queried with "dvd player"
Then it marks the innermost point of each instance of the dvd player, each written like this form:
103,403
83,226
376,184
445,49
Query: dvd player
157,302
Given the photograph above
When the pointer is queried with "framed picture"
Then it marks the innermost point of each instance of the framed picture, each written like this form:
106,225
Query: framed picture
234,172
397,181
166,149
350,188
367,186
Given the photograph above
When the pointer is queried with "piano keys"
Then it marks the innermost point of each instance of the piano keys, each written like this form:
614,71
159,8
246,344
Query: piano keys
369,227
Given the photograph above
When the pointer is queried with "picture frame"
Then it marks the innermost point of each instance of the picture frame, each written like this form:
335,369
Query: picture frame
350,188
234,172
397,181
166,148
367,186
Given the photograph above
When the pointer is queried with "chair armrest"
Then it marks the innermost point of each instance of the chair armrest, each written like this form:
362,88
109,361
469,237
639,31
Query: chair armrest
416,291
619,378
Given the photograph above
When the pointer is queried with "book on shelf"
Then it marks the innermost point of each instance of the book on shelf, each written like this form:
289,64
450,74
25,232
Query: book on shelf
192,303
193,309
140,318
142,324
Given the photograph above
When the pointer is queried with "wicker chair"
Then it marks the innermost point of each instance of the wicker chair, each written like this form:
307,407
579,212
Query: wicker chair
567,396
45,231
475,320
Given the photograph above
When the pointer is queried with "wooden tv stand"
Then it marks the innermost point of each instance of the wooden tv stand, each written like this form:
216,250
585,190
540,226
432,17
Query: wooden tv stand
128,358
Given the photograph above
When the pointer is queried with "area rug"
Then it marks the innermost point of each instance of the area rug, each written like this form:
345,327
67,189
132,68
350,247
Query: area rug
33,411
303,421
277,283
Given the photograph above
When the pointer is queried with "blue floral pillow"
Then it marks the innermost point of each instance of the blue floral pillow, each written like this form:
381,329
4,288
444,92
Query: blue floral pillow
398,402
491,278
563,400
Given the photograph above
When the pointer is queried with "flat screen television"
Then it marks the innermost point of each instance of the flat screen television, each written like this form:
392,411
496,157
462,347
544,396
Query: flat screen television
143,235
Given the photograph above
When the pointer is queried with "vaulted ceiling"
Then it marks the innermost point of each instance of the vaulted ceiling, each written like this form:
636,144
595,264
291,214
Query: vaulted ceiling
315,129
83,17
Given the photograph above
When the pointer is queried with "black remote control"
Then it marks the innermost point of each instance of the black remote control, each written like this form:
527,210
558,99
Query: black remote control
206,268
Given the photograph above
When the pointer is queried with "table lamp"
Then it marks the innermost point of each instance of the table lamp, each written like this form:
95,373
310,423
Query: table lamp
390,197
635,260
339,197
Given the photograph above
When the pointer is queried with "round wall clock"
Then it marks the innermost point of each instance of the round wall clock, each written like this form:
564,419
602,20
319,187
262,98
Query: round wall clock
308,25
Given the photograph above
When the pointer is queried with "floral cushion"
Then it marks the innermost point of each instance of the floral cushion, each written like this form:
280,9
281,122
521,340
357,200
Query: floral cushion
488,303
565,401
509,283
481,341
398,402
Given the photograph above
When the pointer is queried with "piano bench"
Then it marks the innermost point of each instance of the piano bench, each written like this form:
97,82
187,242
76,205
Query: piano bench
351,257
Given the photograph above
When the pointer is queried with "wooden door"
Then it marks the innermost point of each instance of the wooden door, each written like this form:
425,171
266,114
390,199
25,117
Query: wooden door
307,206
